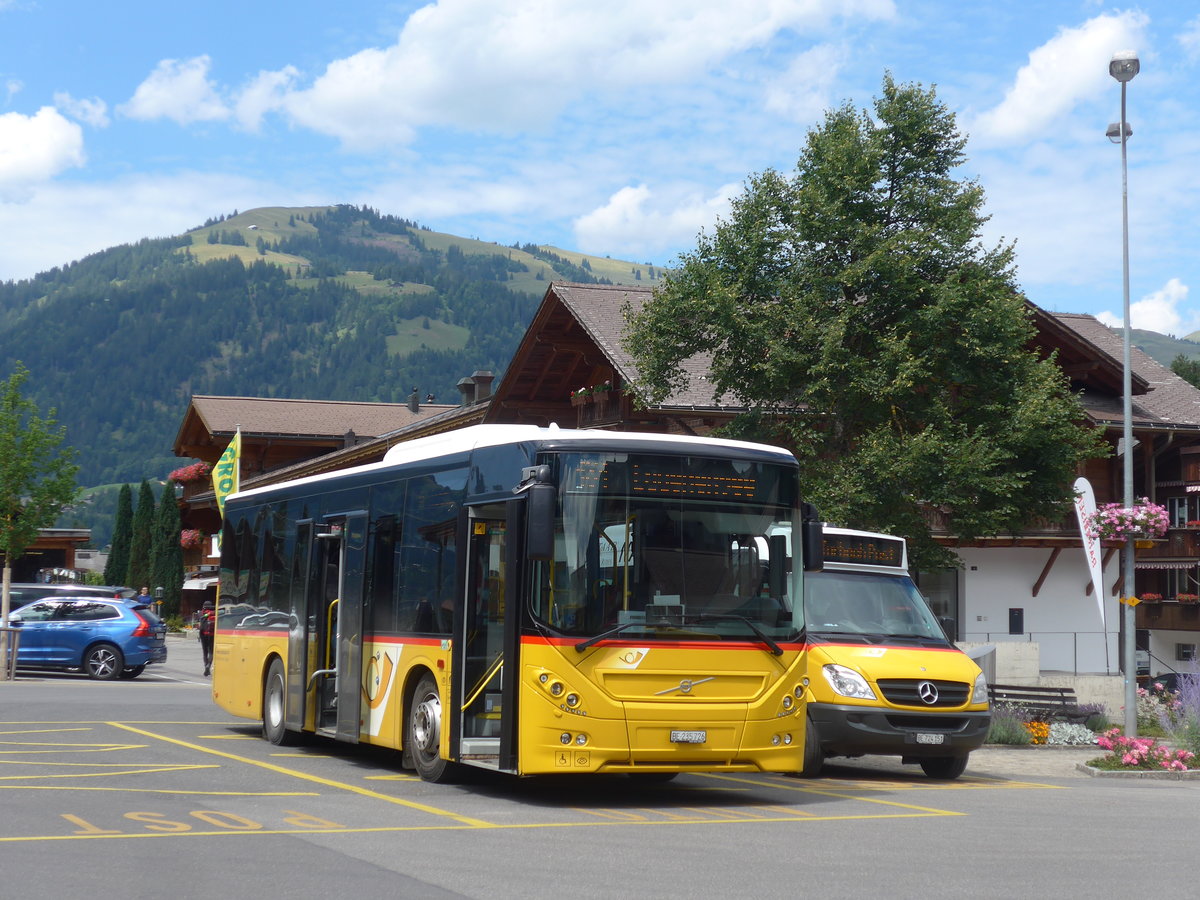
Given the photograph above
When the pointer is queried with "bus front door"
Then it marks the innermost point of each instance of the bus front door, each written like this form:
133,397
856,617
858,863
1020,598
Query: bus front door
483,727
333,638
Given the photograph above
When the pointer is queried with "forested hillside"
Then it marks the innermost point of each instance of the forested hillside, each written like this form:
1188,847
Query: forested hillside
338,303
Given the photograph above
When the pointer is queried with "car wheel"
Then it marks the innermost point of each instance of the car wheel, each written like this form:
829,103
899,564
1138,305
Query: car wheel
814,759
274,694
423,733
132,672
944,768
103,662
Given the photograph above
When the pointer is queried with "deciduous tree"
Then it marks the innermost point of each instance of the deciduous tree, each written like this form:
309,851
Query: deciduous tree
853,308
37,474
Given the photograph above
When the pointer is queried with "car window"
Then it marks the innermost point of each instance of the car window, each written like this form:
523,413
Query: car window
85,611
39,612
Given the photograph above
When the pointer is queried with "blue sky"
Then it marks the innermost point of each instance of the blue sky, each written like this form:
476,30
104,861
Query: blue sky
619,128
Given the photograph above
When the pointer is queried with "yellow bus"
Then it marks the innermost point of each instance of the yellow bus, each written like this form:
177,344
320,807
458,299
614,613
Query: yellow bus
884,678
527,600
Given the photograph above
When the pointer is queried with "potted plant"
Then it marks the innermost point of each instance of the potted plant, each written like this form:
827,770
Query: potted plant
197,471
1188,598
1112,521
1150,597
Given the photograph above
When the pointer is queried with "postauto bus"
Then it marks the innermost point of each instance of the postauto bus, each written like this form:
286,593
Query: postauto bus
884,678
528,601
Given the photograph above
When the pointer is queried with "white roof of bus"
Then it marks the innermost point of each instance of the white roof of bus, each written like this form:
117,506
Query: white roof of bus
465,439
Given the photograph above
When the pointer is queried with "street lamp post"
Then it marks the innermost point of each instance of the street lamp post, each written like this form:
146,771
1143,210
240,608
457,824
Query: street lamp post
1123,66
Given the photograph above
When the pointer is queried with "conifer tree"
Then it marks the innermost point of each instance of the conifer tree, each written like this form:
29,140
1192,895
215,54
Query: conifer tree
117,566
138,574
166,568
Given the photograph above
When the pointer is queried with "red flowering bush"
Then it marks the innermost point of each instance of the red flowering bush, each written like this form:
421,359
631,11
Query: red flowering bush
197,471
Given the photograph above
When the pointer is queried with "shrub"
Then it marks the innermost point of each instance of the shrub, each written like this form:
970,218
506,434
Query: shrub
1008,726
1138,753
1179,715
1070,734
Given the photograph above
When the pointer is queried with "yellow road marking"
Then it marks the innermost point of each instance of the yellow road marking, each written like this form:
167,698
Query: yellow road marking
338,785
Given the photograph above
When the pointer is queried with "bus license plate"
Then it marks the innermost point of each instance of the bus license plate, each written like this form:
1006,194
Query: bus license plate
689,737
926,738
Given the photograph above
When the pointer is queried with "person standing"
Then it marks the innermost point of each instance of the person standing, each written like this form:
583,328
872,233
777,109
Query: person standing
208,626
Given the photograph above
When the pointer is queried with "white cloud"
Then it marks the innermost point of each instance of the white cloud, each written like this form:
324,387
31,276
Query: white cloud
94,112
1159,312
1189,38
803,92
635,220
264,94
177,90
481,65
1070,67
60,223
35,148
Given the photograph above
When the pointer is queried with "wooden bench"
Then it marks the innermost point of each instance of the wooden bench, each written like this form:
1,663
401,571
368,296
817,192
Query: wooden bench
1055,703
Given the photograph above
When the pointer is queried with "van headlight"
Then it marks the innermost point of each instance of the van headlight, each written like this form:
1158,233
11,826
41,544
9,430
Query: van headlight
980,693
847,682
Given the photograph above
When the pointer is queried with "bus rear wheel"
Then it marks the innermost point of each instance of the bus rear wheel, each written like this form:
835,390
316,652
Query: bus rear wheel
274,728
423,736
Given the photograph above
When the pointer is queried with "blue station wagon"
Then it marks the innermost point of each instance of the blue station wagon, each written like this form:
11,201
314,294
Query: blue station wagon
103,637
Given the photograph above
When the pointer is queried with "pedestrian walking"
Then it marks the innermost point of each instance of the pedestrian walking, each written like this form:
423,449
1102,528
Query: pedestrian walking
208,626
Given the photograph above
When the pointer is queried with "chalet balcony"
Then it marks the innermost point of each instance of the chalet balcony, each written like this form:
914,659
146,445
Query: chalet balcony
598,409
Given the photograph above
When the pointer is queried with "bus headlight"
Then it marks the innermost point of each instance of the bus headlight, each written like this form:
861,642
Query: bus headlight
847,682
980,693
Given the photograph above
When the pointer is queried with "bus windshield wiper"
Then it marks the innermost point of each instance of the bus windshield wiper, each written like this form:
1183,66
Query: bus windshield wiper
597,638
749,623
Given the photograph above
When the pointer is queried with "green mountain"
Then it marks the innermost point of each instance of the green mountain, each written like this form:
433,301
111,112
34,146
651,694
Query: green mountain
1163,347
329,303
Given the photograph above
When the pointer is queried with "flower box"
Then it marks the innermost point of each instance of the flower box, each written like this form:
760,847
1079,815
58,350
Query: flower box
1187,598
1116,522
197,471
1151,598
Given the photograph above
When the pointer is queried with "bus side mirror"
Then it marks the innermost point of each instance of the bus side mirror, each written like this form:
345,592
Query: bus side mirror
539,521
812,539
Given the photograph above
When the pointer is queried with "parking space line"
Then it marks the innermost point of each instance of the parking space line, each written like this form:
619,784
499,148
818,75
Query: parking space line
338,785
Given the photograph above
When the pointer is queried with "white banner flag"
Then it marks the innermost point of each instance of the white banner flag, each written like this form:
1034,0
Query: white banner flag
1085,507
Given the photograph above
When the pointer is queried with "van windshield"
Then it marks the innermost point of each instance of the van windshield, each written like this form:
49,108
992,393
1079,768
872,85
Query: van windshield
869,604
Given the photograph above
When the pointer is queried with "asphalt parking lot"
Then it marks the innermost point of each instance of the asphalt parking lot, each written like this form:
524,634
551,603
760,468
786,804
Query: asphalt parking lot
147,788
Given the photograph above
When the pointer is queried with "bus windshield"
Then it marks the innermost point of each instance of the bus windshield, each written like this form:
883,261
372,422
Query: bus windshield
870,604
670,547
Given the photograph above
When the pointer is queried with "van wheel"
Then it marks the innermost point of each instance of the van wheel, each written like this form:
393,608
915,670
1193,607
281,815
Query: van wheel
274,695
944,768
814,759
423,734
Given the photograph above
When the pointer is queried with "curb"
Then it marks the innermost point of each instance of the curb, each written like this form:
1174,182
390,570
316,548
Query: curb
1150,774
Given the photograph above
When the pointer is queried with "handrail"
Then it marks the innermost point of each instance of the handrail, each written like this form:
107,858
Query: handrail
329,635
492,668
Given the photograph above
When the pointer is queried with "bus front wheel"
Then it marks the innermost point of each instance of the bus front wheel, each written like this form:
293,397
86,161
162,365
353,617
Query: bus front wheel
274,693
814,758
424,737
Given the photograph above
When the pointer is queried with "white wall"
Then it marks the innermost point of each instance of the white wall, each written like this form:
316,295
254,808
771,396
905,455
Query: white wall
1062,619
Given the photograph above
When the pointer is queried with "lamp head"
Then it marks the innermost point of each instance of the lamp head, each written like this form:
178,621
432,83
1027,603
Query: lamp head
1124,65
1114,132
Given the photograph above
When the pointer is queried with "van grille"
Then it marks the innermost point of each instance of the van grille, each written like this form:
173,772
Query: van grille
906,692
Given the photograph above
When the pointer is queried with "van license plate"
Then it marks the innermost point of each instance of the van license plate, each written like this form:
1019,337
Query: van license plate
689,737
926,738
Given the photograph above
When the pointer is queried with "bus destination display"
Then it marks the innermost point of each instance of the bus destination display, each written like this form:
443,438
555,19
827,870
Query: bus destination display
868,551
